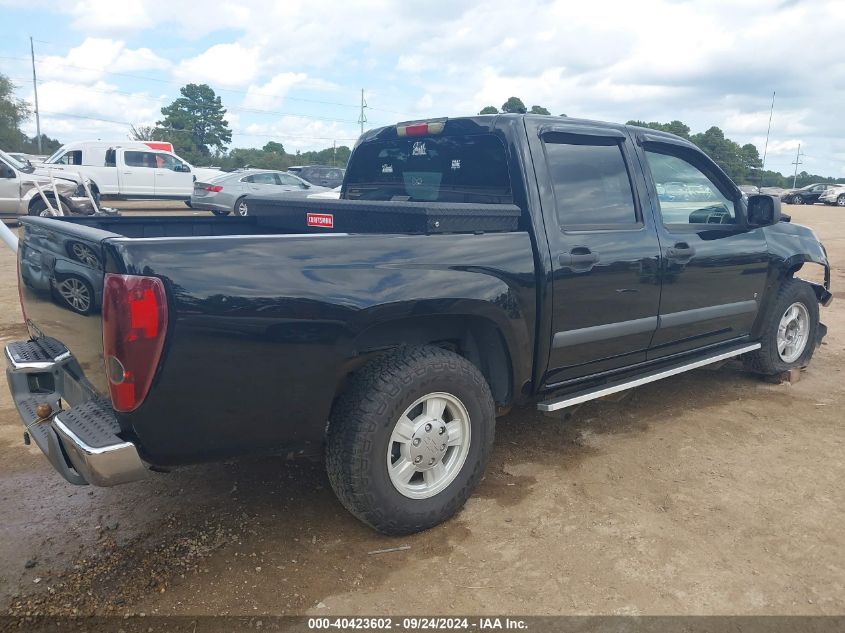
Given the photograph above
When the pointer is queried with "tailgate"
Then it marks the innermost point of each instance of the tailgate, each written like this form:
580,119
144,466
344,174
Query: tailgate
61,285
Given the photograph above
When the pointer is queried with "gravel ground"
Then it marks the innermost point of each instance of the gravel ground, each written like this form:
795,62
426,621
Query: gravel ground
711,492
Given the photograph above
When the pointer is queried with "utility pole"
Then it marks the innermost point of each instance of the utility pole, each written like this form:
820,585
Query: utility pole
766,147
796,163
334,153
363,117
35,91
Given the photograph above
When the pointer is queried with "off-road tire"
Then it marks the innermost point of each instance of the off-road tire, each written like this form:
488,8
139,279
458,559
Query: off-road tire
766,360
363,419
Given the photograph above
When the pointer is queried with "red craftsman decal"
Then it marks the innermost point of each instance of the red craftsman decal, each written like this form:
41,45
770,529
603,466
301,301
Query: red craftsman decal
324,220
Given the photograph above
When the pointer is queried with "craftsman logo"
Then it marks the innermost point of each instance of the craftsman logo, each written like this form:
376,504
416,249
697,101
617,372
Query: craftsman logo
324,220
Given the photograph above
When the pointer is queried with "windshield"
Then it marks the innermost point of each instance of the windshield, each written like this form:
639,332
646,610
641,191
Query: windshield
14,162
463,168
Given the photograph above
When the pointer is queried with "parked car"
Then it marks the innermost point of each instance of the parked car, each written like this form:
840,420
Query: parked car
19,194
834,195
230,193
320,175
749,189
805,195
471,264
129,171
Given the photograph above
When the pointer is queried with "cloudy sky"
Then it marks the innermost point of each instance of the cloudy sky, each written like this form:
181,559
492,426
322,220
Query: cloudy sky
292,71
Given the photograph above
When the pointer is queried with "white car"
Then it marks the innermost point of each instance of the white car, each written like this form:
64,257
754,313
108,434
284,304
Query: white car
835,195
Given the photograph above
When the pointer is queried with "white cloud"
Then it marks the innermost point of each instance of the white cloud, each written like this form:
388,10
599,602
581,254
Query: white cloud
97,57
108,16
272,93
222,64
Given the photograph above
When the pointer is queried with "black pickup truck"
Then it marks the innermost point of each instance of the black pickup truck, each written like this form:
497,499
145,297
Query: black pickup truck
471,264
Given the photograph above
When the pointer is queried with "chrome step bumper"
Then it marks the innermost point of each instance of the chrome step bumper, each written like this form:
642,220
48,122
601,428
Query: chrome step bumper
81,442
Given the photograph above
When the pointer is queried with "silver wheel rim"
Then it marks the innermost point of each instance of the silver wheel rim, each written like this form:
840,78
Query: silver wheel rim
798,200
76,294
84,255
793,332
242,209
428,446
841,201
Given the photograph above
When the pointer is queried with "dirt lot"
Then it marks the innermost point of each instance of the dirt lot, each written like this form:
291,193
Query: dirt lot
708,493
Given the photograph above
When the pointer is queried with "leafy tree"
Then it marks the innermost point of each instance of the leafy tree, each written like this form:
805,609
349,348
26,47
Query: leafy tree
13,112
535,109
673,127
194,122
273,156
489,110
274,148
48,145
514,105
145,133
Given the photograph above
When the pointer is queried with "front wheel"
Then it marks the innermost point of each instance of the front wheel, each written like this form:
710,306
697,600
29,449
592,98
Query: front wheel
789,332
241,208
410,438
797,199
840,201
39,208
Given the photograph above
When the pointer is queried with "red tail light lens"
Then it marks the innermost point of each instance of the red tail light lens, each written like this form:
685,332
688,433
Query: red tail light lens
134,326
421,128
214,188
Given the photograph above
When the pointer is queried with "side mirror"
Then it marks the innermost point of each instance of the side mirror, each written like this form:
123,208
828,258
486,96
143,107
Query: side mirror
763,210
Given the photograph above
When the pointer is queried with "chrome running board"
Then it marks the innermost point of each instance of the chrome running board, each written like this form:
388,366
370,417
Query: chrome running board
579,397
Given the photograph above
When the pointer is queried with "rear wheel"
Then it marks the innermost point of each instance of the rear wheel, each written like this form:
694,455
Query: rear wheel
409,439
241,208
789,331
840,201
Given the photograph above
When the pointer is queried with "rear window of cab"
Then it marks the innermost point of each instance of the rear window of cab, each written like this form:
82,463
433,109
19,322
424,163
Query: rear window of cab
459,168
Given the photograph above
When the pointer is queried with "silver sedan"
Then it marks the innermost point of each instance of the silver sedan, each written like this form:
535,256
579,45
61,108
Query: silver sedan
229,193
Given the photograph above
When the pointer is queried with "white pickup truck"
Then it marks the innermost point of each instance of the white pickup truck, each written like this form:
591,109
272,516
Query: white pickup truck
135,172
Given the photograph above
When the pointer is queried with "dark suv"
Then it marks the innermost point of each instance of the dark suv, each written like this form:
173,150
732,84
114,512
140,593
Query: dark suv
321,175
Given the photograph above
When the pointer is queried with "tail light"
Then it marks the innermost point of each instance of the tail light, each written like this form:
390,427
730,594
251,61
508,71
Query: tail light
134,326
214,188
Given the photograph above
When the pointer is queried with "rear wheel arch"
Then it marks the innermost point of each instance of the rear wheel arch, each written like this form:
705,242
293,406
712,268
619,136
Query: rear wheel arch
476,338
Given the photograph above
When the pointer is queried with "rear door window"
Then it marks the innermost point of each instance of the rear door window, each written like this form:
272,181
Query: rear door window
591,184
460,168
140,159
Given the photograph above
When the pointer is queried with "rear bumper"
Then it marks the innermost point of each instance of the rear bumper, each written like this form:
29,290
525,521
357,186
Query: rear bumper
207,205
82,441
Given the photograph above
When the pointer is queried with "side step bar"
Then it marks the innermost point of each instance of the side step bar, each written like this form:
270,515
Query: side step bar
578,397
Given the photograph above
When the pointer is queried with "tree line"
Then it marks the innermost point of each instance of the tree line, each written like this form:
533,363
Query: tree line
195,124
741,162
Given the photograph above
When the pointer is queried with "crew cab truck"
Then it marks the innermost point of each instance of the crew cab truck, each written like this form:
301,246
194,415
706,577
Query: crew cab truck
137,171
471,264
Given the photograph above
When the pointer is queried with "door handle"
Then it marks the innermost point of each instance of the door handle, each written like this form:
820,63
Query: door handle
680,251
579,257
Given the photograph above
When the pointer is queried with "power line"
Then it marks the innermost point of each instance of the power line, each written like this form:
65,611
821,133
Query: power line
238,132
176,82
35,92
796,163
